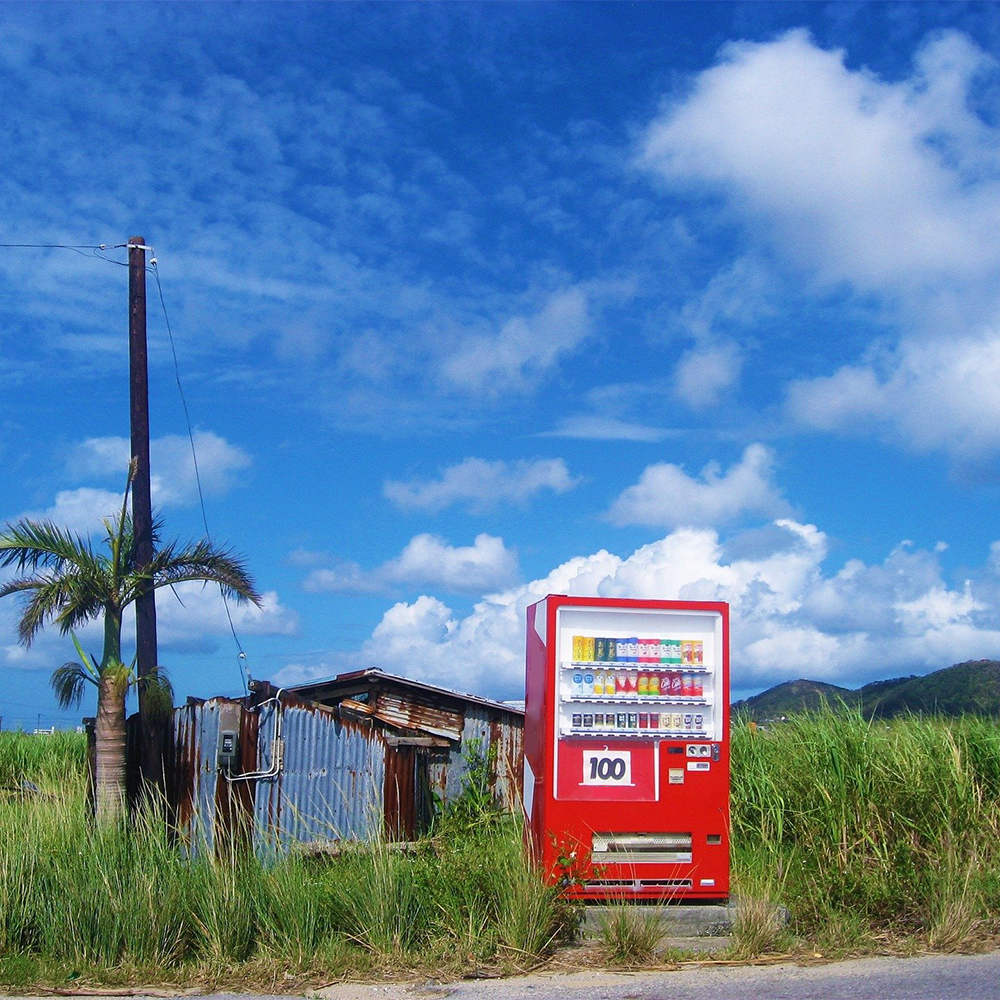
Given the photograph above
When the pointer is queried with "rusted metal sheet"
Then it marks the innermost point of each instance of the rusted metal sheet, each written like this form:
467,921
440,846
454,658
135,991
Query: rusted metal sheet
447,774
331,778
337,774
411,712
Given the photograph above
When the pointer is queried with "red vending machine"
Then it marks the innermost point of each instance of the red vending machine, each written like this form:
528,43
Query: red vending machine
626,774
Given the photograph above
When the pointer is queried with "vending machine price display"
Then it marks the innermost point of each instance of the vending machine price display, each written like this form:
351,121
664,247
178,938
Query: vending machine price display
604,767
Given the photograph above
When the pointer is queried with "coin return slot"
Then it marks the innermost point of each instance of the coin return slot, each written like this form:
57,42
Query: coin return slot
641,848
714,838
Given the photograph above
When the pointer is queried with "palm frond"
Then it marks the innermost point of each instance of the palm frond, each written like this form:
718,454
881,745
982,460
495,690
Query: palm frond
200,561
69,599
68,684
158,692
89,661
30,544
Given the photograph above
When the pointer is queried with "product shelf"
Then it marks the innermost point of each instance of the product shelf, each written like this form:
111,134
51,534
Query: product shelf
680,668
633,734
639,700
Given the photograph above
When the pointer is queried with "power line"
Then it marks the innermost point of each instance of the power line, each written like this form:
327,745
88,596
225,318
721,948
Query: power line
242,656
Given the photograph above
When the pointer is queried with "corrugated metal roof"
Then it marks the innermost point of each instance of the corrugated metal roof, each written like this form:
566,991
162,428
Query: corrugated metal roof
317,690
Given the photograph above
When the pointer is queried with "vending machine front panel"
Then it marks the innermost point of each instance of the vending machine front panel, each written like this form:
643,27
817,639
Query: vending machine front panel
627,751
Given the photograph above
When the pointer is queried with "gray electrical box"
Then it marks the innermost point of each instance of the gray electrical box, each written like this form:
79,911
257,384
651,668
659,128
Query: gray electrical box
228,756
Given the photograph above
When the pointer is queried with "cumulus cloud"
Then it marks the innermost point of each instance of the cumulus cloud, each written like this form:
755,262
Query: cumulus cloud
482,485
524,349
874,182
704,373
938,394
790,619
891,187
427,561
172,471
666,496
81,511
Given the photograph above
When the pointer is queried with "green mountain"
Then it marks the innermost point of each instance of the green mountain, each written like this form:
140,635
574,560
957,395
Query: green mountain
794,696
965,688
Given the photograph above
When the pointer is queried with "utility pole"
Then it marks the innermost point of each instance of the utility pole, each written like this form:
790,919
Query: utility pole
142,512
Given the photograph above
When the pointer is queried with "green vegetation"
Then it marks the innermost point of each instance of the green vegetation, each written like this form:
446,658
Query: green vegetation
64,582
117,903
871,831
877,836
971,688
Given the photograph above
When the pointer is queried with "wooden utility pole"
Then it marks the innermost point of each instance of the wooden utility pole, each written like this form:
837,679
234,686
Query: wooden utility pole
142,512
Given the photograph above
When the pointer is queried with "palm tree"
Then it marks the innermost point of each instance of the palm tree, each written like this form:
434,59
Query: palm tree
65,582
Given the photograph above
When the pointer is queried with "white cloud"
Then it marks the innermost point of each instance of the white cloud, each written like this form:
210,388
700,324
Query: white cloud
890,186
928,394
666,496
427,561
524,349
789,619
482,485
592,428
879,183
81,511
704,373
192,611
172,471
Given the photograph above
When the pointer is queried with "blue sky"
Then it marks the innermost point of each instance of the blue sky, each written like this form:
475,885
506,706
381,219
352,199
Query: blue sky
474,303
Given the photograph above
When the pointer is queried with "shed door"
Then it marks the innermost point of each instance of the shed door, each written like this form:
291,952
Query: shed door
400,793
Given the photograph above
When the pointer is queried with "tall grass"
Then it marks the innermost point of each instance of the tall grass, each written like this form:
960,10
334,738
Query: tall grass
868,828
78,896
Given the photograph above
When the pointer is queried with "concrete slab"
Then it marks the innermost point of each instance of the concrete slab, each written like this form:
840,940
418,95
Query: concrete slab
678,921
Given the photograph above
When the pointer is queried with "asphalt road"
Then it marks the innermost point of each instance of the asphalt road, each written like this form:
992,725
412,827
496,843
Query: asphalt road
934,977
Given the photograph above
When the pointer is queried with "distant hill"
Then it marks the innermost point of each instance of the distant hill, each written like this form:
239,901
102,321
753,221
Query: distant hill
794,696
965,688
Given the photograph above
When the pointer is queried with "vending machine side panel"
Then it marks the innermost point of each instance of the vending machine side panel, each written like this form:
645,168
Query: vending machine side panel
536,688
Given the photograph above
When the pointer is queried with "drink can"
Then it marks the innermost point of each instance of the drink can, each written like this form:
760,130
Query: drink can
588,648
588,721
699,653
633,682
675,684
644,720
687,721
599,648
577,720
687,652
588,682
699,722
643,684
598,685
654,685
621,682
678,720
621,650
577,647
687,686
598,720
633,649
699,686
654,720
610,683
577,683
674,650
622,720
633,720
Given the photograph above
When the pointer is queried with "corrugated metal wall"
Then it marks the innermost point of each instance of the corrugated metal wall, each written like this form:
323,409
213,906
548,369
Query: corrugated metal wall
340,777
330,783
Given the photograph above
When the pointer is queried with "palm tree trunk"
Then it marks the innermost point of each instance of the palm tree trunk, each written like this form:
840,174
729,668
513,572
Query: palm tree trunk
109,731
110,750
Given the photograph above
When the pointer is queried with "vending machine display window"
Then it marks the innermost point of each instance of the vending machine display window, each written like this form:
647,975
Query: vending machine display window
626,745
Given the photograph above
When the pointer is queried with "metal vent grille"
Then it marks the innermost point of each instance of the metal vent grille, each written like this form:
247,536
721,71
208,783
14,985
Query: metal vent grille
641,848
